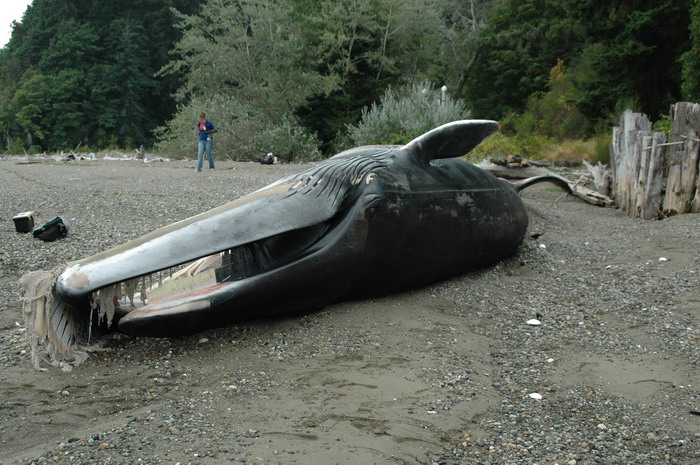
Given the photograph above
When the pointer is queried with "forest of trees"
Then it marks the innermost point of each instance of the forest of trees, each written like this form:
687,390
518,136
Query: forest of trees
298,77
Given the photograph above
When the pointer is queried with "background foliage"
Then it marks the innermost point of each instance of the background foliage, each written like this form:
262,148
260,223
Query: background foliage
79,72
403,114
307,79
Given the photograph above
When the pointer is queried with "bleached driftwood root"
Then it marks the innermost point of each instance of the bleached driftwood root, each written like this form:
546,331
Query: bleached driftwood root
585,194
601,176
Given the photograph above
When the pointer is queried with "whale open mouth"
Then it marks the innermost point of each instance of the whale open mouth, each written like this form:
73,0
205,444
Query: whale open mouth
186,287
194,284
66,310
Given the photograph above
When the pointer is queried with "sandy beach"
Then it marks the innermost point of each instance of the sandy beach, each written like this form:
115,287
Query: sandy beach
447,374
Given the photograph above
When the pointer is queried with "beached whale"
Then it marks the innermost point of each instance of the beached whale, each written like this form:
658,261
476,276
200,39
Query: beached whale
371,220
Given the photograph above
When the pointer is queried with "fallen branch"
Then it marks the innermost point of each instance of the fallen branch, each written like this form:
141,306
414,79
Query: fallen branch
585,194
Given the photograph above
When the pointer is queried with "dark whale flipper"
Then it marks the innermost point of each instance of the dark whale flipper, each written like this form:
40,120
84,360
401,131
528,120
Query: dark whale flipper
553,178
450,140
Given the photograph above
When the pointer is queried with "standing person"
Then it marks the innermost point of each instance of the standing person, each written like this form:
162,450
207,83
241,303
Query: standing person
206,141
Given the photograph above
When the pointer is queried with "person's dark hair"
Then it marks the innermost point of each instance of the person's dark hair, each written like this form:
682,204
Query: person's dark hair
203,115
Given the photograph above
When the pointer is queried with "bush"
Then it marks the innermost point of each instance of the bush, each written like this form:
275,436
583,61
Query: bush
601,149
242,135
533,147
289,142
550,115
551,129
34,149
664,124
569,153
501,145
404,114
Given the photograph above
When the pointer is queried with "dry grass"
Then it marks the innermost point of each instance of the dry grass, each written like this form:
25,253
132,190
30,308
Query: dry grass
568,153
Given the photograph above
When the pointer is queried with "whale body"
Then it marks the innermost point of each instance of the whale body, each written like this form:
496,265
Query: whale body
369,221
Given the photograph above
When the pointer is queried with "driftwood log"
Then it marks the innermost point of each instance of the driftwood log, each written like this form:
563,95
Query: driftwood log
525,172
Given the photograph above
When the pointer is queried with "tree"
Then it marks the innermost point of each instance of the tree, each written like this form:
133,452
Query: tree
75,46
525,39
630,58
619,52
39,26
51,109
316,64
691,58
108,52
29,107
110,73
120,88
463,31
364,47
244,66
249,50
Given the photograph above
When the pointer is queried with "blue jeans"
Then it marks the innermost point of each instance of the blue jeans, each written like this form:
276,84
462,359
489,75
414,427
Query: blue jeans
205,146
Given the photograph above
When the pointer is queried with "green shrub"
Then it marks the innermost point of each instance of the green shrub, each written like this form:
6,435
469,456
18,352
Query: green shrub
552,113
242,133
551,128
404,114
289,142
497,146
570,152
501,145
34,149
601,149
665,124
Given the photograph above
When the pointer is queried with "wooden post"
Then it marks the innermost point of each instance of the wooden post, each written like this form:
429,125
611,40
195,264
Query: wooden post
624,157
650,180
682,190
691,168
695,203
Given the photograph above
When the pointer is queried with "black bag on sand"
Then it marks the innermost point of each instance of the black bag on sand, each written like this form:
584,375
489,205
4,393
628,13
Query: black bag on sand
52,230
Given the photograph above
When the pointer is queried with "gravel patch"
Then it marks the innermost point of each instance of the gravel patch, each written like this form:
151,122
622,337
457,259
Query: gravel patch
447,374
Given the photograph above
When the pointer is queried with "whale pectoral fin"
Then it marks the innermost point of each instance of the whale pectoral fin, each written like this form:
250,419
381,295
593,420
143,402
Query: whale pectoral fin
551,178
451,140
